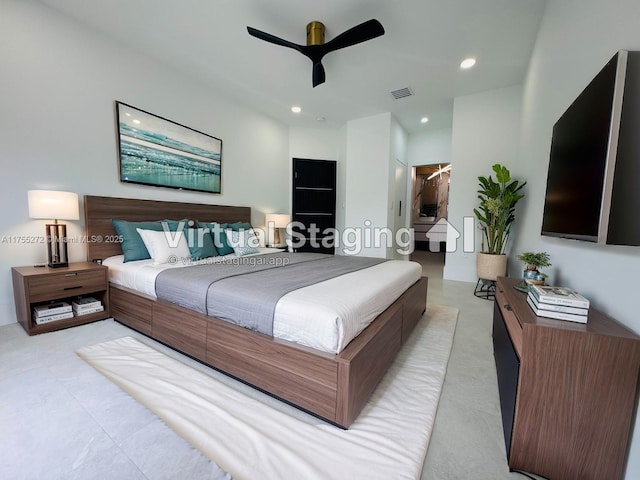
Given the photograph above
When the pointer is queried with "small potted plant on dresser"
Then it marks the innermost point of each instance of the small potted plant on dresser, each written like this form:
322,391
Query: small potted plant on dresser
496,214
533,262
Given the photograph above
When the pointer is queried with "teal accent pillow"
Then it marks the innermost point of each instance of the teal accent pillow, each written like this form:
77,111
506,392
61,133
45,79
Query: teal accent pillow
236,227
132,245
200,243
220,240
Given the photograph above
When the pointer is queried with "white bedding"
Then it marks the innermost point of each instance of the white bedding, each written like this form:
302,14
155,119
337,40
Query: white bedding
325,316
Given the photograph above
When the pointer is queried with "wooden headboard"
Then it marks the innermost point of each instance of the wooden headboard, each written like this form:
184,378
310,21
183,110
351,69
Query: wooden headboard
99,211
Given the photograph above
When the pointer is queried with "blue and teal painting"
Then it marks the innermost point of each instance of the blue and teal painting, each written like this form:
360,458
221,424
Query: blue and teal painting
155,151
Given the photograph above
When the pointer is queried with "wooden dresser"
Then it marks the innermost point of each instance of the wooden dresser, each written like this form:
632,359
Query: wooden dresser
567,390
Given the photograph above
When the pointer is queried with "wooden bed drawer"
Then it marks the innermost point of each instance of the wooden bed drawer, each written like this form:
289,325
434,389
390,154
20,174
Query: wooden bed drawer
298,374
131,309
181,328
66,284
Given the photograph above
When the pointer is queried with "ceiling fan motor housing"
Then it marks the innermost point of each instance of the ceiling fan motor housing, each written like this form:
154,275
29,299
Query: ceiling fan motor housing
315,33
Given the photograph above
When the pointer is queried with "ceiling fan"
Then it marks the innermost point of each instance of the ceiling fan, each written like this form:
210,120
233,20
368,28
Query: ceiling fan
316,49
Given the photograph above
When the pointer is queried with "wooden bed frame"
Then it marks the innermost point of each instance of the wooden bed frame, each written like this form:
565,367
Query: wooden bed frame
333,387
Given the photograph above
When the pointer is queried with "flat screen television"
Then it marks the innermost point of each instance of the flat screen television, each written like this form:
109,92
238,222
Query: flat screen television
594,146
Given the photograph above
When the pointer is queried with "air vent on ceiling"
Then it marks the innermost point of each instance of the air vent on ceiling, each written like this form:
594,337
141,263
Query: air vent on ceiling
401,93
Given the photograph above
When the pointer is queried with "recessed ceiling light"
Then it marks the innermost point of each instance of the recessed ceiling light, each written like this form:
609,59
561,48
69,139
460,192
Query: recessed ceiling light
468,63
424,119
137,122
296,109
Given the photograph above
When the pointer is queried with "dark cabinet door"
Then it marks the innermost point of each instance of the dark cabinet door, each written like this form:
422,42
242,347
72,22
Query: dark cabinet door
314,205
508,369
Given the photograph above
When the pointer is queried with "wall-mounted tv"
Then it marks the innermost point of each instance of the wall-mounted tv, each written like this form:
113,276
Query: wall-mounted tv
593,181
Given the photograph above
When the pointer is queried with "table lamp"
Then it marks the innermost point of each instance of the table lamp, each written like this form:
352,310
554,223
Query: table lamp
276,221
49,204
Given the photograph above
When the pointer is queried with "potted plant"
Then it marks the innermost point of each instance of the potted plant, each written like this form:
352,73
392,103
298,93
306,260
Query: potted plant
533,262
496,213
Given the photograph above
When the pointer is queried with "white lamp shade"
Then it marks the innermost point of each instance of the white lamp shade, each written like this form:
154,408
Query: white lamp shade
278,220
53,205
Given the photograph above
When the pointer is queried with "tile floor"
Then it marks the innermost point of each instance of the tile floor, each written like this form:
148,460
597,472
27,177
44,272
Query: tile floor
59,419
432,262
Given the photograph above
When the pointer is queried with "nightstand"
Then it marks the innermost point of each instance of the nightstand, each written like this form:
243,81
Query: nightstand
34,286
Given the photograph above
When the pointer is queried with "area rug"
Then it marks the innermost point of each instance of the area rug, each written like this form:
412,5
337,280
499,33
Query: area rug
251,439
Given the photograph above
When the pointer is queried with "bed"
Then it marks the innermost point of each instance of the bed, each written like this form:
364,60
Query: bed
332,386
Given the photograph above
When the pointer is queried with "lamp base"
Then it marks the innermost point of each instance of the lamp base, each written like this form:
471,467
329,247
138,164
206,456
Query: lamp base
57,245
58,265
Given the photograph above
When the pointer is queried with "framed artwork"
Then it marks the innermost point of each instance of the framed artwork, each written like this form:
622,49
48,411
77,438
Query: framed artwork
155,151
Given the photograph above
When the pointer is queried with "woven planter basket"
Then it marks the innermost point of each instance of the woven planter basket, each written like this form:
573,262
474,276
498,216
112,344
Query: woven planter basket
490,267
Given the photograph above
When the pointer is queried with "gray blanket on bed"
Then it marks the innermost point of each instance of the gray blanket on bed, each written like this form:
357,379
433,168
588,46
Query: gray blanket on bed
245,290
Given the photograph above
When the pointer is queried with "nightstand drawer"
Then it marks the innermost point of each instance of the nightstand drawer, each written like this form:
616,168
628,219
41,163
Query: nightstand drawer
66,284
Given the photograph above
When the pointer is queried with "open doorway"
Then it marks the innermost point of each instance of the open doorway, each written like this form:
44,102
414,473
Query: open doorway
429,213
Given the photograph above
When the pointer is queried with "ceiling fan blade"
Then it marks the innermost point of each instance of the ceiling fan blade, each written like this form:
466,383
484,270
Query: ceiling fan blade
267,37
358,34
318,74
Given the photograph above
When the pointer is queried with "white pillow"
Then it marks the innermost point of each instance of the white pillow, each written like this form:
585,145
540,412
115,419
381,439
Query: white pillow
243,242
165,247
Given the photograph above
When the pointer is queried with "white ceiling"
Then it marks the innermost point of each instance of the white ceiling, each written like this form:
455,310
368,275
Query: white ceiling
422,48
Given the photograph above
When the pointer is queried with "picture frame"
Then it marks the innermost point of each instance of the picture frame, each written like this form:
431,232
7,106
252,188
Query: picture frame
153,150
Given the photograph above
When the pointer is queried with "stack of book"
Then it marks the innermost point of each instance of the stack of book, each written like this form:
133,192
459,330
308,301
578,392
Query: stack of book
51,312
560,303
86,305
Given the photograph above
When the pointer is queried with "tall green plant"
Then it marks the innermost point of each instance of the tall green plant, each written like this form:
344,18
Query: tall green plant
497,207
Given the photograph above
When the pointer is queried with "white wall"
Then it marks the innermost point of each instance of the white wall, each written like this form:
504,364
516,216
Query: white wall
368,150
341,191
576,39
399,153
315,143
429,147
58,85
486,131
